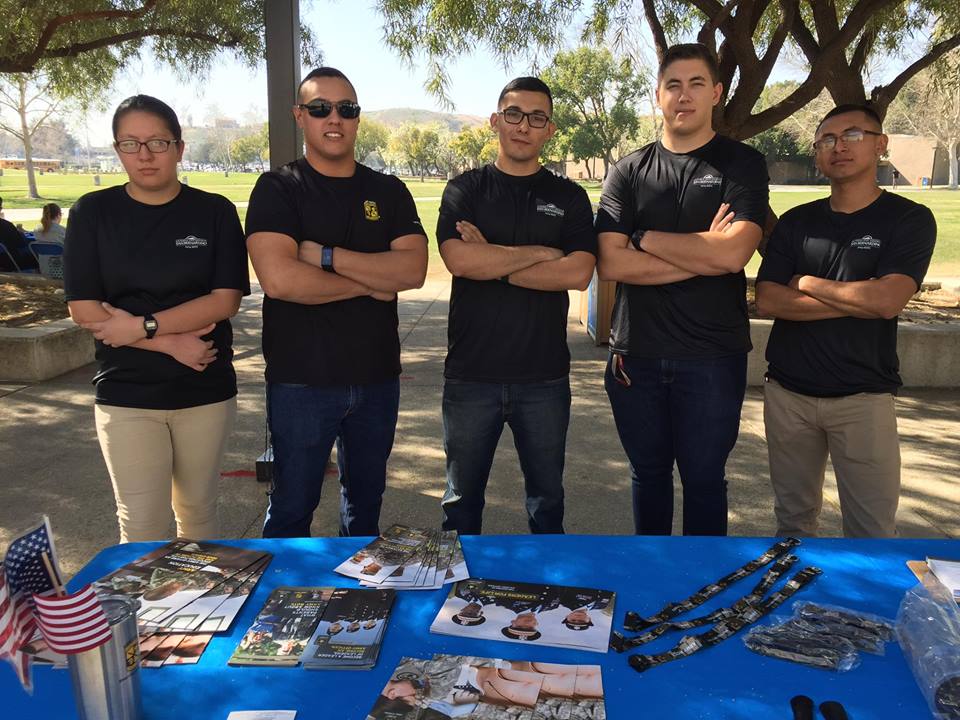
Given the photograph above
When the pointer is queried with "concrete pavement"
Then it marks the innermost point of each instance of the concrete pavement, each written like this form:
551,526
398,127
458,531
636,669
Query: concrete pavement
51,461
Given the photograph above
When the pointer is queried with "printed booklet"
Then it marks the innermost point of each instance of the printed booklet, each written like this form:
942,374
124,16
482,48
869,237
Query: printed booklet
471,688
553,615
280,632
351,631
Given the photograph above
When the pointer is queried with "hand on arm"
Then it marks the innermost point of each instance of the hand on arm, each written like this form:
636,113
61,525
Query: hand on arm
620,261
122,328
473,257
402,267
284,276
187,348
725,248
883,297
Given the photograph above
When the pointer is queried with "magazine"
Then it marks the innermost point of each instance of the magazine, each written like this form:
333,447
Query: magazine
552,615
449,686
351,631
281,630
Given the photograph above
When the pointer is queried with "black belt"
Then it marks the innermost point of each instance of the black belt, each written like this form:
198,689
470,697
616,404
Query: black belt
634,623
728,627
620,643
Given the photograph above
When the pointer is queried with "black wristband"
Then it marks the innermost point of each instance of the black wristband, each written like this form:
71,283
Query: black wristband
637,238
326,259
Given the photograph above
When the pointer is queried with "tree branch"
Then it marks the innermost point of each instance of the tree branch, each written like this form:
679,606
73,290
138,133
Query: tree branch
656,27
77,48
56,23
882,95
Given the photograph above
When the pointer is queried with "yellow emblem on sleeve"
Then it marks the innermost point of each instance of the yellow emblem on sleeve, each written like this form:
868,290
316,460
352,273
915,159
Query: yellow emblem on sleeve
370,210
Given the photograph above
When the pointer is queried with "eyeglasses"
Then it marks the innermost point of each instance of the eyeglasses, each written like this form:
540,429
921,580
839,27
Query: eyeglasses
535,119
132,147
347,109
854,135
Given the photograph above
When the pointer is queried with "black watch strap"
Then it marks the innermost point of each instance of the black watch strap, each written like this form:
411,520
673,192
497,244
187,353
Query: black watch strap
150,325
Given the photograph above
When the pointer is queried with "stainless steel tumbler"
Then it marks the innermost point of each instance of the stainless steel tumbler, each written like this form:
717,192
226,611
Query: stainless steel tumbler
106,680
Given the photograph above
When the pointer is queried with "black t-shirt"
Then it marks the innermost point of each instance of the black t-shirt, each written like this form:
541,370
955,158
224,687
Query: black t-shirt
844,356
147,258
349,342
655,189
16,244
499,332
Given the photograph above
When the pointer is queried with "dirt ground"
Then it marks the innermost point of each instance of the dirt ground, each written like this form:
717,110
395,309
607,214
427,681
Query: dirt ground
23,305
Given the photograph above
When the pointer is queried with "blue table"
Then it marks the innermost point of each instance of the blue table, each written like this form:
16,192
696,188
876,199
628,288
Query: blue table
726,681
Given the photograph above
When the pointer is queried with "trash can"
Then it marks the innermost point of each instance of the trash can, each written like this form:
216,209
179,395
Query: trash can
596,306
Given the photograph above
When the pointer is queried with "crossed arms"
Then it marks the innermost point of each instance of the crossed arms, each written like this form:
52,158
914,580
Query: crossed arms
671,257
812,298
536,267
291,272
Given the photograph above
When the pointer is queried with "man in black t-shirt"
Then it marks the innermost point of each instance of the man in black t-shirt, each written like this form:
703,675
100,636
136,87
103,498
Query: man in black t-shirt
332,242
677,222
836,274
515,237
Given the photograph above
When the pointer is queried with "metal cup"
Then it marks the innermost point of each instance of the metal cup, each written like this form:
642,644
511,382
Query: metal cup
106,680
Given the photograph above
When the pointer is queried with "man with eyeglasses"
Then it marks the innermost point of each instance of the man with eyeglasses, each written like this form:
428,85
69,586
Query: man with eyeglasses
332,242
516,238
678,220
836,274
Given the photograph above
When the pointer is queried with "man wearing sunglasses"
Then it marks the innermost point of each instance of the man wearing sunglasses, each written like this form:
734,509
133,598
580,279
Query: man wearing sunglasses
836,274
516,238
678,220
332,242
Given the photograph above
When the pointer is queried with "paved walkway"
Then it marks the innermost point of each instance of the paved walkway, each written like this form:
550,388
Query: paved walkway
52,463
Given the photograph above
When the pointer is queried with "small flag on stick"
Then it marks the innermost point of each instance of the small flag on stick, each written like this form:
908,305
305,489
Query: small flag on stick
24,574
72,623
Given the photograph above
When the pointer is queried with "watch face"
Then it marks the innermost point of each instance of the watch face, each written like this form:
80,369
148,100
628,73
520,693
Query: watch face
150,324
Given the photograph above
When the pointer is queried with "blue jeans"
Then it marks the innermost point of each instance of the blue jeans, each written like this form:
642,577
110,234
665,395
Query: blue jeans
686,411
473,417
304,423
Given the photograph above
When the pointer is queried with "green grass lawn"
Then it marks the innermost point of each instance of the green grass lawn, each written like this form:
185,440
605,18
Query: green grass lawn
64,189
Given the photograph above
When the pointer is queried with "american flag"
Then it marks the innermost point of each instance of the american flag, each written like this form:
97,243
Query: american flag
72,623
23,575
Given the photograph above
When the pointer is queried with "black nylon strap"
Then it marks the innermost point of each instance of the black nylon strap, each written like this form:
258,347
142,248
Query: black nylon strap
728,627
770,577
634,623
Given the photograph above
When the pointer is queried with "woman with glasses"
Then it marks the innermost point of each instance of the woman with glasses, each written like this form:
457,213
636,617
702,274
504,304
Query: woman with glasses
155,269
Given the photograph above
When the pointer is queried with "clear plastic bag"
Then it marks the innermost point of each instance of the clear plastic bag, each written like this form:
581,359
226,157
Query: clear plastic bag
788,641
928,629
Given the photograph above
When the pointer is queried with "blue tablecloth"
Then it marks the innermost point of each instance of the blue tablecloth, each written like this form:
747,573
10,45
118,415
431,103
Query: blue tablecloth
727,681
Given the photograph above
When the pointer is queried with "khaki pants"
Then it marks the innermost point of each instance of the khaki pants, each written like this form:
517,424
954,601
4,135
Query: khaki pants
860,434
163,460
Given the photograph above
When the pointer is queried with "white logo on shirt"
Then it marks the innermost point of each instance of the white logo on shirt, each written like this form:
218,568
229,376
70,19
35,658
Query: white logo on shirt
867,242
708,180
190,242
549,209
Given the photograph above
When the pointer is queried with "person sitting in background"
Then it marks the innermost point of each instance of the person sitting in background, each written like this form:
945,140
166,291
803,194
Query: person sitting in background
50,229
16,244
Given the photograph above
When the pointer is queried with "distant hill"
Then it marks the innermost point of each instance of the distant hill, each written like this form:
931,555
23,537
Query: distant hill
395,117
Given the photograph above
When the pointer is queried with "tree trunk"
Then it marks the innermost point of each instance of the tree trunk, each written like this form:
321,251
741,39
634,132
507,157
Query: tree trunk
953,148
27,140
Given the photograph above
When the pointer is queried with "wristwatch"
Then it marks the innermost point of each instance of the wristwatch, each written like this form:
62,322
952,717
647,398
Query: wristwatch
150,325
637,238
326,259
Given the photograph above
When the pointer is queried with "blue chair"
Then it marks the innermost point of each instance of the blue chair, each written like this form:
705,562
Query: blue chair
49,257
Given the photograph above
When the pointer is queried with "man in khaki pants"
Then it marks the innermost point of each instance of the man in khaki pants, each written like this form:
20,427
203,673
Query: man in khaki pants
836,274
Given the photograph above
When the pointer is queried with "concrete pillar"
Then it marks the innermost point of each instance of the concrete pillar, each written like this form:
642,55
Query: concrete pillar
282,21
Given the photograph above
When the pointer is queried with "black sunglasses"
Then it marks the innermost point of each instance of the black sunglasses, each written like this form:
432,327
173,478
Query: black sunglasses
347,109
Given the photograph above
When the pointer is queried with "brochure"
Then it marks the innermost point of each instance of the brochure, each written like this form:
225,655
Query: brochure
383,556
552,615
281,630
351,631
